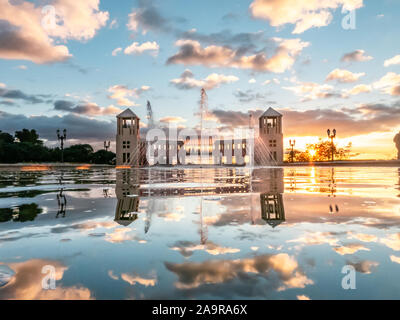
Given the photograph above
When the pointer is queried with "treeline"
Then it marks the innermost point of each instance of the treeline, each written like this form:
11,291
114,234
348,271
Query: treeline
25,146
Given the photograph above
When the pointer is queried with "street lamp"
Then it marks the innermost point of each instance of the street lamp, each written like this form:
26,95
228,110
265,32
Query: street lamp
61,138
292,144
107,145
332,136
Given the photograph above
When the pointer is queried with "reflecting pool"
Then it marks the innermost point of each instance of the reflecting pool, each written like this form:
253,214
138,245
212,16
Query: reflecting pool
191,233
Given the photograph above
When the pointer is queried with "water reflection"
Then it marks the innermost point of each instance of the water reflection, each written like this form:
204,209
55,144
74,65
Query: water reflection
202,233
127,193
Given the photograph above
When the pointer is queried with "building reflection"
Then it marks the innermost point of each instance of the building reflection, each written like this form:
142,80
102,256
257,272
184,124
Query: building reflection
127,192
265,186
271,187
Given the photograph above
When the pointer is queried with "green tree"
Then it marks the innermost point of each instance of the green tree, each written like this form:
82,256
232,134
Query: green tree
29,136
103,157
78,153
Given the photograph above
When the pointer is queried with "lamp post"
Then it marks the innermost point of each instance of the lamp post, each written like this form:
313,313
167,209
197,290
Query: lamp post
61,138
332,136
292,144
107,145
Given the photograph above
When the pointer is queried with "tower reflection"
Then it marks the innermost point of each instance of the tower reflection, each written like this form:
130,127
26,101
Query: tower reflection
270,185
127,192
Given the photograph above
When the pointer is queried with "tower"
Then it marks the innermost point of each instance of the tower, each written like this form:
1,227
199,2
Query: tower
271,137
128,139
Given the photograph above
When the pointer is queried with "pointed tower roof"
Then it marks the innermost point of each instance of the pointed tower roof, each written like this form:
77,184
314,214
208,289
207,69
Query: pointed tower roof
271,113
128,113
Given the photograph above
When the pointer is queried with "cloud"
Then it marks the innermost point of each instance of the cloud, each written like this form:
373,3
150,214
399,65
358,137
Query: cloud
351,248
133,279
395,259
19,95
192,53
251,81
172,120
28,33
87,108
357,55
147,18
26,284
344,76
78,127
304,14
122,94
187,81
393,61
313,91
392,241
364,237
361,88
364,119
281,271
187,248
317,238
116,51
136,48
245,41
250,95
365,266
389,83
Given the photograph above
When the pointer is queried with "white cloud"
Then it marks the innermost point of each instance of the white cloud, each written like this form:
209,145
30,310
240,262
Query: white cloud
212,81
116,51
393,61
304,14
137,48
312,90
252,80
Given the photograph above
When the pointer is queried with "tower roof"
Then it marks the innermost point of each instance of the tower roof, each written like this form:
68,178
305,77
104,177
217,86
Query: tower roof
128,113
271,113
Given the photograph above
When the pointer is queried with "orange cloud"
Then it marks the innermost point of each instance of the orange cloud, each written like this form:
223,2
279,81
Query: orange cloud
28,33
123,94
27,283
344,76
389,83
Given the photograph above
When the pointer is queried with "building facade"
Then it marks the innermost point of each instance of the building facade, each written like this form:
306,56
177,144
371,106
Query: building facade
270,142
264,148
128,139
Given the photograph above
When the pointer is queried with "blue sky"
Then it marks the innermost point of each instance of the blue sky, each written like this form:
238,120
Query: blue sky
87,76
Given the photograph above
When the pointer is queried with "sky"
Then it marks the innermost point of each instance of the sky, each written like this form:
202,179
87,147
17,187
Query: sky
322,64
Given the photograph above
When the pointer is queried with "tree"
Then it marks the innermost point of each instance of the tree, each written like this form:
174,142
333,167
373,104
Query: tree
78,153
29,136
322,151
103,157
6,137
